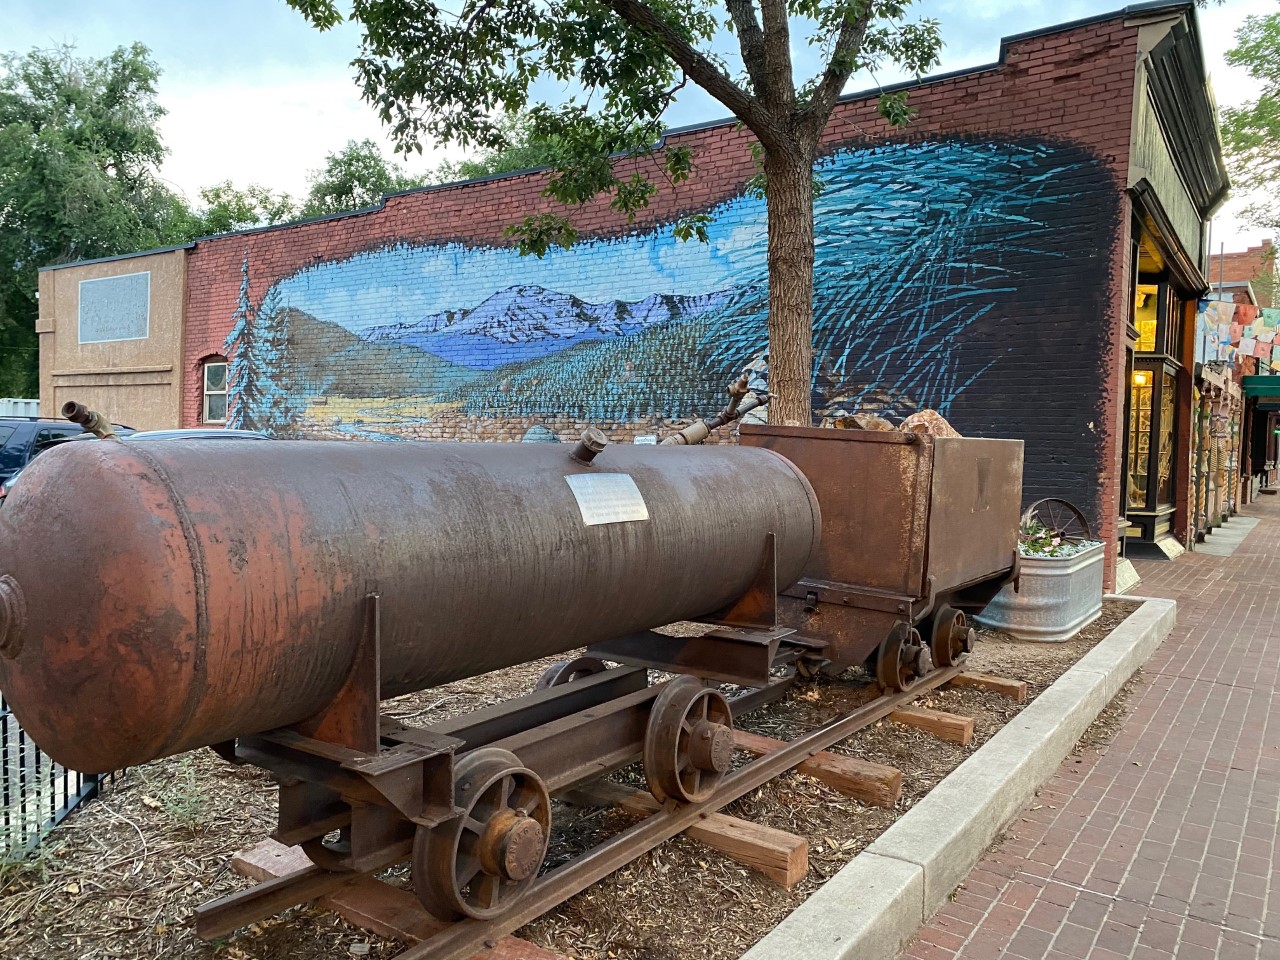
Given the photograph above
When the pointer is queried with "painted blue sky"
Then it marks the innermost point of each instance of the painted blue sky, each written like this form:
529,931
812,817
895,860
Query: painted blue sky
421,281
256,95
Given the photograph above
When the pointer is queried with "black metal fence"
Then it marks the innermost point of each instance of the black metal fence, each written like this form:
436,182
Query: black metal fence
36,793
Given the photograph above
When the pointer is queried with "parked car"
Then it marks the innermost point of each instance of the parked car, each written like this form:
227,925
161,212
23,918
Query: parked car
136,436
22,438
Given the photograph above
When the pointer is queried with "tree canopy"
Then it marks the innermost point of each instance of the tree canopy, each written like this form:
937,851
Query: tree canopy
451,74
1251,132
79,152
358,175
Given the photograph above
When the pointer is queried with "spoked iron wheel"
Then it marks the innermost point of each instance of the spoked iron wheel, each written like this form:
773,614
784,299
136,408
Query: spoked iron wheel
1061,518
566,671
480,864
902,659
951,637
688,744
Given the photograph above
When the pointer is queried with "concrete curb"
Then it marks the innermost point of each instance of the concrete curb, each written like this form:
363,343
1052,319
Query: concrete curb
873,906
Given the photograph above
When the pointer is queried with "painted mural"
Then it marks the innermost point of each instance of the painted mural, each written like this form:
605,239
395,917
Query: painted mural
941,267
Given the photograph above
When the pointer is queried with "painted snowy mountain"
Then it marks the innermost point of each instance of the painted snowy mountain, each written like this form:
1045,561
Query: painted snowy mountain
526,322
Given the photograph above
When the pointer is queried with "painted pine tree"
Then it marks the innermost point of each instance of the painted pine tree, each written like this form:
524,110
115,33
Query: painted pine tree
261,388
239,349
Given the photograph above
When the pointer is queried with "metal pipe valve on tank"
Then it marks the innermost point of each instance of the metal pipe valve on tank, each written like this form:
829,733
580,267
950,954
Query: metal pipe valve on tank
159,597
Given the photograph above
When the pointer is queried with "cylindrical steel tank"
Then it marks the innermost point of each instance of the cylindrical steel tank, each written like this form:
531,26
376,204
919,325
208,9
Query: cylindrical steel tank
156,597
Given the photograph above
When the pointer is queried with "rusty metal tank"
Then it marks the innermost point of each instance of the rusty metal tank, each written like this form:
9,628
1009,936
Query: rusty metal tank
160,597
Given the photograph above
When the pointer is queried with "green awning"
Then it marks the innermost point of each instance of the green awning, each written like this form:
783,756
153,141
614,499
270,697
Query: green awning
1262,386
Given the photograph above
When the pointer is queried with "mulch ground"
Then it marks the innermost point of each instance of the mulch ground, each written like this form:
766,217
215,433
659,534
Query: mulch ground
121,877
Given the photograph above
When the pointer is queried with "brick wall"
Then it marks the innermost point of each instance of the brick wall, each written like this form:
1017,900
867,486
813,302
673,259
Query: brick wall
1245,266
1014,172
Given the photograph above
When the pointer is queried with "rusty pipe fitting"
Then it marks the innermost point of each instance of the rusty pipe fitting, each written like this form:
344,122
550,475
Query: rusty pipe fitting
91,420
589,445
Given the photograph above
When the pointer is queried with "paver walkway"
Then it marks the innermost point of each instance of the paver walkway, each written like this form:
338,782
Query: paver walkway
1165,844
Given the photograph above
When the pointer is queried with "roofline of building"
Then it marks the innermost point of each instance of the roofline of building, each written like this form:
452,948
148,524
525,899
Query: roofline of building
1136,9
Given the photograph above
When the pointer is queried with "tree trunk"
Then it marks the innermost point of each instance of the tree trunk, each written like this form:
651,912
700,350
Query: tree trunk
789,197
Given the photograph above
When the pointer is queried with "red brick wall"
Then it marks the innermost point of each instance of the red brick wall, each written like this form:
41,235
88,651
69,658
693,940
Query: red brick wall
1074,86
1245,265
1077,85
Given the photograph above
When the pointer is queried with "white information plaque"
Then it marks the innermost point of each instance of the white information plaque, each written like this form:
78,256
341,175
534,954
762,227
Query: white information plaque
607,498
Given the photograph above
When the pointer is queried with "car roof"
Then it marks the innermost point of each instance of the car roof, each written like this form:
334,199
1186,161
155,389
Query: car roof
197,434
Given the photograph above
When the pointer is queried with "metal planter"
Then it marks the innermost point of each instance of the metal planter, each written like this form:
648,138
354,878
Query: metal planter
1057,598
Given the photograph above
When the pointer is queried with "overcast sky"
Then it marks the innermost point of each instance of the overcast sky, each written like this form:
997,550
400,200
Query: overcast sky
254,94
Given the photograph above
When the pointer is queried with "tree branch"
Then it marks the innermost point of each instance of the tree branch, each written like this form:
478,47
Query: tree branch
781,96
701,70
817,112
751,41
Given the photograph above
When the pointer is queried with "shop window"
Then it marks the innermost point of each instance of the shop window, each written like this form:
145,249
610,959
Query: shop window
215,391
1151,440
1140,437
1157,316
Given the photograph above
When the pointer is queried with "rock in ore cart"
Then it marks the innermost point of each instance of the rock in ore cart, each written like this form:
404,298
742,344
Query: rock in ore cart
267,614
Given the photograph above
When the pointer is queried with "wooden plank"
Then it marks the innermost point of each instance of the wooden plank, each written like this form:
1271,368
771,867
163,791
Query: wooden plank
372,905
1015,690
872,783
782,857
944,726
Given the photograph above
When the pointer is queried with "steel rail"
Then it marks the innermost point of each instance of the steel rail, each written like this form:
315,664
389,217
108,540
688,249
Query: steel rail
467,938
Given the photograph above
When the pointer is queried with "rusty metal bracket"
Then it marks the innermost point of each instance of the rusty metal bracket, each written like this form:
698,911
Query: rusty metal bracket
728,654
351,720
758,607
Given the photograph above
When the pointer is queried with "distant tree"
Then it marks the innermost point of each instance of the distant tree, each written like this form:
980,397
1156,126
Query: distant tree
79,152
521,149
356,176
263,395
448,70
227,207
1251,132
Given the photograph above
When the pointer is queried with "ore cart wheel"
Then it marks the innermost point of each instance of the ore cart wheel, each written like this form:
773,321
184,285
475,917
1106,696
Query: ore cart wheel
951,637
566,671
480,864
688,744
1061,518
903,658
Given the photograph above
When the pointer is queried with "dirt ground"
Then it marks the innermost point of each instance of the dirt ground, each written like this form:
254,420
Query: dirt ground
121,877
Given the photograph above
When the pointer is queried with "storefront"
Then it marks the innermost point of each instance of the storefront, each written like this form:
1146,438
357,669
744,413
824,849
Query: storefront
1158,407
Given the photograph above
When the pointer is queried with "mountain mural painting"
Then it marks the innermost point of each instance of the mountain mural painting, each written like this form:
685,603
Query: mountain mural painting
939,266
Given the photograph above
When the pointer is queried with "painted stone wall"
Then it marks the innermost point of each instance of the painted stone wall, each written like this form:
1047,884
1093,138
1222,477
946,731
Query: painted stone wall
975,268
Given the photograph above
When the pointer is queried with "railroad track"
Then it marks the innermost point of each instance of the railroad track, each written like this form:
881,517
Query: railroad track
469,937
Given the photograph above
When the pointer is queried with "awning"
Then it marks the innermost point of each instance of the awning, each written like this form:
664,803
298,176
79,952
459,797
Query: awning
1265,388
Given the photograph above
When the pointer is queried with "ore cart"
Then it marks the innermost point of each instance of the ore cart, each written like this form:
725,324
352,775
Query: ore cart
919,533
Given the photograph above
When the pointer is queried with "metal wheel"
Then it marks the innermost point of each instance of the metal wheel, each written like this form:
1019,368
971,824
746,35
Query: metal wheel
688,744
1061,518
903,658
951,637
566,671
480,864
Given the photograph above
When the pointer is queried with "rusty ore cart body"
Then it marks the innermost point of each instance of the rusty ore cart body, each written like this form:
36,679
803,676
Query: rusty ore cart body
918,533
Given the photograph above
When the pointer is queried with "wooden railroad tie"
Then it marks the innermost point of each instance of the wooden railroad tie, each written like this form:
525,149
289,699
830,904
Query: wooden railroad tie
944,726
1015,690
874,784
782,857
372,905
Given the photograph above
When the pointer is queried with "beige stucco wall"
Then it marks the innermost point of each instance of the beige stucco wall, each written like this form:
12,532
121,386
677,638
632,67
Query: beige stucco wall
135,381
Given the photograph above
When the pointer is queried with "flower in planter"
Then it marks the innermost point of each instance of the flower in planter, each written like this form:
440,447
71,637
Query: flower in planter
1038,541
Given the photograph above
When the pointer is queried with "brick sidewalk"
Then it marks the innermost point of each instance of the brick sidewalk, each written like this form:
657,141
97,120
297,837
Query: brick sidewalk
1165,843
